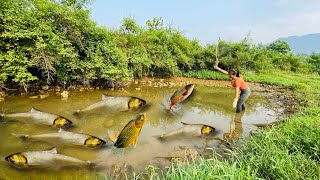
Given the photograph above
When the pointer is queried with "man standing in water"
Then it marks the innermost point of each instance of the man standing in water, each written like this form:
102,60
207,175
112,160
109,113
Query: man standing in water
240,88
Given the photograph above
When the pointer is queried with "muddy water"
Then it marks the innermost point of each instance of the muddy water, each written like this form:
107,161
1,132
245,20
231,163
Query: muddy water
207,105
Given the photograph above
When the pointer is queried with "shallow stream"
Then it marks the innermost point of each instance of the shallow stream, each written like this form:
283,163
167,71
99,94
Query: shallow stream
206,105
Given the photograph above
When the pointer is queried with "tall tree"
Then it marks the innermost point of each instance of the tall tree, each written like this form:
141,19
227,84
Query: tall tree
280,47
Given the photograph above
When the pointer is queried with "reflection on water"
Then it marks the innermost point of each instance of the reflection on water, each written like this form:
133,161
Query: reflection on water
207,105
236,128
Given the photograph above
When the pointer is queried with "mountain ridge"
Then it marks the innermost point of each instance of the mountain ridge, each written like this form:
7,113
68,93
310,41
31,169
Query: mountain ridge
303,44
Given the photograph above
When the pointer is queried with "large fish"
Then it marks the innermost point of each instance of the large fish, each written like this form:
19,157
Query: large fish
66,138
122,103
180,95
190,129
38,117
129,134
44,159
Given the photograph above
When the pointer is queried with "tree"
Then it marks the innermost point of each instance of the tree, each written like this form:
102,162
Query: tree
129,26
280,47
314,60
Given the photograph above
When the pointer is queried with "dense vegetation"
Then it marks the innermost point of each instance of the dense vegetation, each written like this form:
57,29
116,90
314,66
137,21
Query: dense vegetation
56,42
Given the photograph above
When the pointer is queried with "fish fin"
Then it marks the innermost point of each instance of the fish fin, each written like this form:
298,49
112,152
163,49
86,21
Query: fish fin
125,110
78,145
135,142
91,164
185,124
114,136
61,130
34,110
52,150
196,135
105,97
33,165
21,136
158,136
76,112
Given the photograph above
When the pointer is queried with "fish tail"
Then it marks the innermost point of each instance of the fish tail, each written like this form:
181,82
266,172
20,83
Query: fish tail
113,137
170,107
161,137
91,165
76,112
1,116
21,136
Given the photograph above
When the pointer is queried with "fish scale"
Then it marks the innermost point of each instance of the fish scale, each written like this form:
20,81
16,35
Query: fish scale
130,132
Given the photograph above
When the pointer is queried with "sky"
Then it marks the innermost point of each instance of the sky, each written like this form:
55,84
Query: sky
208,20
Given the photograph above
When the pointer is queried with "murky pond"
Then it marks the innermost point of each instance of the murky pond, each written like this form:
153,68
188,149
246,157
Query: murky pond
207,105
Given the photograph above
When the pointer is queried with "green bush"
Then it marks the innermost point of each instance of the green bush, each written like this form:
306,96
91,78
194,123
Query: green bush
56,41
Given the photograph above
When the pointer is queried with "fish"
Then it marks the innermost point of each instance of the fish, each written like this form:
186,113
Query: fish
129,134
267,125
44,159
121,103
182,154
198,130
66,138
38,117
180,95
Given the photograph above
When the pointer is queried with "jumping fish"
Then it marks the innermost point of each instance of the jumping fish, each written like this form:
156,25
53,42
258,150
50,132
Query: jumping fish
122,103
129,134
180,95
38,117
190,129
44,159
66,138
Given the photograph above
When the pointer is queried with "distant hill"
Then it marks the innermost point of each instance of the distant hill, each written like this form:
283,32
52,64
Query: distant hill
304,44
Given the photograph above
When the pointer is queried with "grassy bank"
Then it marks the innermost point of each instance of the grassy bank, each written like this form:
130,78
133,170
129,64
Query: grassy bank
288,151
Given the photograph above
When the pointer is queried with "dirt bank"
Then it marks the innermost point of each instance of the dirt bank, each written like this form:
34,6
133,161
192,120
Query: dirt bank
282,99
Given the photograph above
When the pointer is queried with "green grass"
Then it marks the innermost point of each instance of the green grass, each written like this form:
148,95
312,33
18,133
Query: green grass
287,151
200,169
290,150
206,74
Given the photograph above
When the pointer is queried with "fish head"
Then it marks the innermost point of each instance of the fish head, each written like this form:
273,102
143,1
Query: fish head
136,103
62,122
17,159
140,120
94,142
189,87
207,130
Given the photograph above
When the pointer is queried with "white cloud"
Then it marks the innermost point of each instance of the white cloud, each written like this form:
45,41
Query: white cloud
294,24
